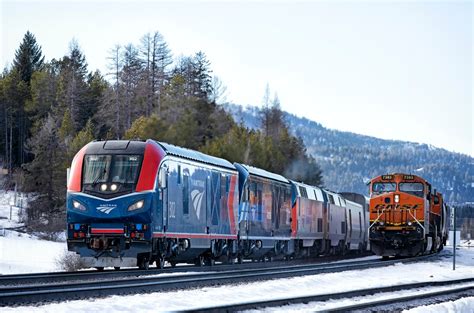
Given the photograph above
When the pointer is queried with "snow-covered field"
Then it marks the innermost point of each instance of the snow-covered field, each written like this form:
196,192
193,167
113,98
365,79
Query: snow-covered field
21,253
283,288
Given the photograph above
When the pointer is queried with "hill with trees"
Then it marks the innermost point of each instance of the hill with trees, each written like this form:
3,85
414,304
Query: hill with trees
349,160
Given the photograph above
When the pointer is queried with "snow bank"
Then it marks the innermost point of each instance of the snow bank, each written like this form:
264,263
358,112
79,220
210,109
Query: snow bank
22,253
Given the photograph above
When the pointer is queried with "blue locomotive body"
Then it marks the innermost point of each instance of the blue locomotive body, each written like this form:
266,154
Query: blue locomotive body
133,203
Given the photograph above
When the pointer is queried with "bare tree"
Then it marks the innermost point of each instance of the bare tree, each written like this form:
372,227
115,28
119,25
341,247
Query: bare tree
115,67
218,94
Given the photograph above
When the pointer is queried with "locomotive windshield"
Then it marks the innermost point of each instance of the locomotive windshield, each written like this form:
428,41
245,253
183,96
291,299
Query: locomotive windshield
415,189
114,173
384,187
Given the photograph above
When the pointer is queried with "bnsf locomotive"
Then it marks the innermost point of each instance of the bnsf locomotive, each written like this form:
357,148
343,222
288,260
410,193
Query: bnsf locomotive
407,217
133,203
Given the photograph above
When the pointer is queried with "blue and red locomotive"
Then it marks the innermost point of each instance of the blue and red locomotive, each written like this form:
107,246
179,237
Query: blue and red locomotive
133,203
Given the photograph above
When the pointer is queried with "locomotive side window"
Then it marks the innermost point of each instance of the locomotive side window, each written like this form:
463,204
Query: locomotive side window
185,194
415,189
379,188
303,192
331,199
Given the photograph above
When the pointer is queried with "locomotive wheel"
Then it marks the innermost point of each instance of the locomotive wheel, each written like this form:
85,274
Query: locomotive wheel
200,261
160,263
173,264
117,268
210,261
100,268
144,264
440,246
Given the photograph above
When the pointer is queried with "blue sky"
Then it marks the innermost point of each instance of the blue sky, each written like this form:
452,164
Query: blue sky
394,70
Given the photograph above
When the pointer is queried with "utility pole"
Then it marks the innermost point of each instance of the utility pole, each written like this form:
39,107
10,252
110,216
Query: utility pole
453,216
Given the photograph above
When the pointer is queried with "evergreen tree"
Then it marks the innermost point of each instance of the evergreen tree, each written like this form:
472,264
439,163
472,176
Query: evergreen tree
72,88
82,138
28,57
43,100
130,78
13,93
46,176
202,79
151,127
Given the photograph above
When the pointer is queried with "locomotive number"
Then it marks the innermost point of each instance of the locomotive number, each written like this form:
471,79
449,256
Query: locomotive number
396,206
172,213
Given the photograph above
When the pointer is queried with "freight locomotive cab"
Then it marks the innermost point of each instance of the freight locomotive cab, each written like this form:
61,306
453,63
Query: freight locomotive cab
403,216
110,193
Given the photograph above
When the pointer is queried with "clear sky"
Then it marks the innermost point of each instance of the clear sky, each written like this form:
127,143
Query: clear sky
393,70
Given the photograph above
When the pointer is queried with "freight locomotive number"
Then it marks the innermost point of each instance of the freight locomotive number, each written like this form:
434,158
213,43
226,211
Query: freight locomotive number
396,206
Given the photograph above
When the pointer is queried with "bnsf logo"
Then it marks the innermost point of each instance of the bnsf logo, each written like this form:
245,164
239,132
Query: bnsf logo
396,206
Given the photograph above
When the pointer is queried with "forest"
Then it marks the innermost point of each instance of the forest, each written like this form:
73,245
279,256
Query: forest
50,109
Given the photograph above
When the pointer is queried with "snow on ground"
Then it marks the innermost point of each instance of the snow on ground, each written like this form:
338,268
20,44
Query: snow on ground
22,253
399,273
11,203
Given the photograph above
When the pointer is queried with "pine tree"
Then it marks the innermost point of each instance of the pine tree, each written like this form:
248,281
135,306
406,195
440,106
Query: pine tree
28,57
46,176
72,88
43,100
202,79
130,78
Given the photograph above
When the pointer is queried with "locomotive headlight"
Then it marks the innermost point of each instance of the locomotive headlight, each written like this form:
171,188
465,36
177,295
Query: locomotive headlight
103,187
113,187
136,206
409,223
78,206
397,198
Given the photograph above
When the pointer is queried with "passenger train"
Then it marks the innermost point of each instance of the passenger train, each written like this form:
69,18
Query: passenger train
407,216
135,203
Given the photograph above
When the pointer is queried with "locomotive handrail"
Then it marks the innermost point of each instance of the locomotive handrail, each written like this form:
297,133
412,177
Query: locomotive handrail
377,218
417,221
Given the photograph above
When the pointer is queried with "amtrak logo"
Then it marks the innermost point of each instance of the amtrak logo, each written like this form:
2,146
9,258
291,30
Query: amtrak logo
196,197
106,208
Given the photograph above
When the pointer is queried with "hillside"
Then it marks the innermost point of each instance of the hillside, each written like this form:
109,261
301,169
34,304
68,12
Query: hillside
349,160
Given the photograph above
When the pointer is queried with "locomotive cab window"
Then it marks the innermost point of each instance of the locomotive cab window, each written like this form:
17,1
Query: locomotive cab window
379,188
110,174
415,189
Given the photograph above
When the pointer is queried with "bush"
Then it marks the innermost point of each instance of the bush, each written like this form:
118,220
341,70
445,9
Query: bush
70,262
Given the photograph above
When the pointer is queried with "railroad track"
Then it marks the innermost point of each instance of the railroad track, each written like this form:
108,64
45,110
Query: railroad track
386,302
104,286
49,277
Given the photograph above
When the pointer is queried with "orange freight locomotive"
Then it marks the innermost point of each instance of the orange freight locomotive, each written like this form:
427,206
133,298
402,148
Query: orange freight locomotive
407,217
